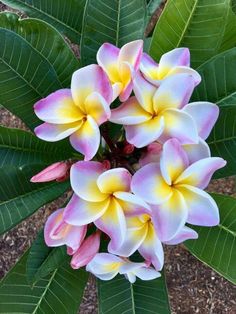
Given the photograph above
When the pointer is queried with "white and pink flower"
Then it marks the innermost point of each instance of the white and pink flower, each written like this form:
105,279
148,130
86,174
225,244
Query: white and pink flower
77,112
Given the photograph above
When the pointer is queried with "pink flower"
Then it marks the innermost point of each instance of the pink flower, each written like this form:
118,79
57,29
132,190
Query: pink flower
57,232
121,66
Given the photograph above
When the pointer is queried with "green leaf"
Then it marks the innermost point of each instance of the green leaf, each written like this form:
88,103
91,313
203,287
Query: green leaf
219,86
19,198
66,16
42,260
197,24
118,296
116,22
18,148
47,41
229,38
25,76
222,140
61,292
216,246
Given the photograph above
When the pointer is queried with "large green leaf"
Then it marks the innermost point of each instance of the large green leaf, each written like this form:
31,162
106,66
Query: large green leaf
61,292
42,260
118,296
19,198
216,246
197,24
219,86
65,15
222,140
47,41
25,76
116,22
18,148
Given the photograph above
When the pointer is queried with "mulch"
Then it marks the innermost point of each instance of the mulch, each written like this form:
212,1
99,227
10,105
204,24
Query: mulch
193,287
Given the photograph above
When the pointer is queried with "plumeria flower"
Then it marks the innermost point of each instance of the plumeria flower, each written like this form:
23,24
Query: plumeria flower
102,197
77,112
160,114
57,232
56,171
172,62
87,250
121,66
175,187
106,266
142,236
193,151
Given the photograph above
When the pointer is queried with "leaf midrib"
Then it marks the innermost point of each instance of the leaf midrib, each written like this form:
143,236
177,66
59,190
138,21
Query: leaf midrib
227,230
45,290
187,23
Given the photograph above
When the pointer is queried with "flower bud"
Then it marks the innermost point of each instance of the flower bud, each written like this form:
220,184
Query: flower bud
86,252
56,171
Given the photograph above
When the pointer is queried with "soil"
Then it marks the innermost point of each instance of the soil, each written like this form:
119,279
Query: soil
193,287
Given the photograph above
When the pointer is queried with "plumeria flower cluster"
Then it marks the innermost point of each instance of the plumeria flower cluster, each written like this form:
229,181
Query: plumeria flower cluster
140,190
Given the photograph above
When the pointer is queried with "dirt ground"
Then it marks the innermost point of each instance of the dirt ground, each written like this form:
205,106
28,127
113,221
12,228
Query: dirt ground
193,287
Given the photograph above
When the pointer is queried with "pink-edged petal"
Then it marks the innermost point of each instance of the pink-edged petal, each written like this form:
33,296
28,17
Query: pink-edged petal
52,172
145,133
174,160
87,80
170,216
134,237
104,266
174,92
57,232
126,91
204,114
149,67
185,233
83,178
113,223
79,212
86,252
180,125
129,113
147,273
55,132
198,151
130,267
173,58
187,70
114,180
152,154
151,249
131,53
86,139
97,107
132,204
116,88
199,173
58,108
149,184
107,58
144,92
202,209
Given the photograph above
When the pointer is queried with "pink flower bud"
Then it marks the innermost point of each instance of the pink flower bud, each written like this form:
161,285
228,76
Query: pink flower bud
86,252
128,149
56,171
106,164
151,155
